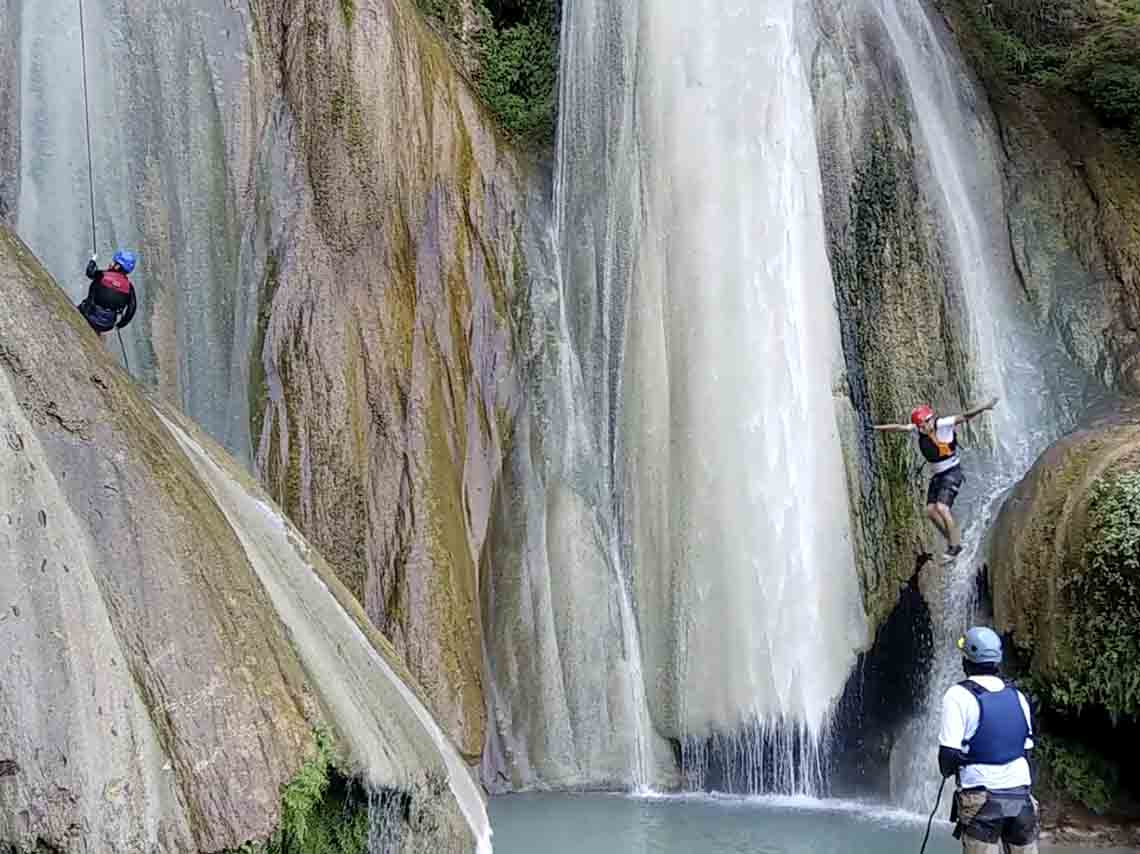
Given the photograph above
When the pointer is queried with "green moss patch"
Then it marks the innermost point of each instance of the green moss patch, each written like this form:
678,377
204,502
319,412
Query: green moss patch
348,12
1102,664
258,385
875,252
322,812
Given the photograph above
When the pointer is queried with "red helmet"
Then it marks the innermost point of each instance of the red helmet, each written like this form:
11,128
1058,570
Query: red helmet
920,414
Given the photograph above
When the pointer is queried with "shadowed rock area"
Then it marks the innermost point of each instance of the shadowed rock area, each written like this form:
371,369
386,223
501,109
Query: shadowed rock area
171,644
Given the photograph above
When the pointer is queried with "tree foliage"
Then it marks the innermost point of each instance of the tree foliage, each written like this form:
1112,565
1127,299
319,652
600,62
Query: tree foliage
515,59
1088,47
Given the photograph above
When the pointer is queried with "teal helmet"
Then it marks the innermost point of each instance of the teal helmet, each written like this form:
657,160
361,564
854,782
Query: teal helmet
981,645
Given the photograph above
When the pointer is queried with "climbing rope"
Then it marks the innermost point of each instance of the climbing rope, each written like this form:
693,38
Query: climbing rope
126,361
930,820
90,162
87,127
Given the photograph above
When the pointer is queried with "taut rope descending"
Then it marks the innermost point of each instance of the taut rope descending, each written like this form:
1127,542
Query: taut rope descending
87,127
90,164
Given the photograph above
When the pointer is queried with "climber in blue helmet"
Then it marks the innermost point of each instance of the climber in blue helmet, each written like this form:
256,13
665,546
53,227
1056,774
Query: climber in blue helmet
111,293
987,728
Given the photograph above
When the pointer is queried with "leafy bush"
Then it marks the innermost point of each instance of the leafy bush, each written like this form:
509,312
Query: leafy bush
1079,773
321,813
518,77
515,57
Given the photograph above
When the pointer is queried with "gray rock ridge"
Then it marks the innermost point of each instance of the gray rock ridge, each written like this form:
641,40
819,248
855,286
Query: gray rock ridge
161,680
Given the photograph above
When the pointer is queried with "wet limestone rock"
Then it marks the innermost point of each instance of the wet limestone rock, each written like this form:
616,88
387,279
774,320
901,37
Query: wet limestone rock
1074,228
170,643
391,230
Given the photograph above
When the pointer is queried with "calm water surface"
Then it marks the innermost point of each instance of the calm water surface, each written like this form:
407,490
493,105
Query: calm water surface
600,824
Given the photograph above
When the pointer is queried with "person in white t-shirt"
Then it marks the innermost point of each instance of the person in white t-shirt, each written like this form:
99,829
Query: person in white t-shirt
939,445
987,727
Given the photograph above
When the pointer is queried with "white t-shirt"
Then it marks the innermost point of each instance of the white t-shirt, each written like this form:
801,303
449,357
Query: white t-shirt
960,714
944,434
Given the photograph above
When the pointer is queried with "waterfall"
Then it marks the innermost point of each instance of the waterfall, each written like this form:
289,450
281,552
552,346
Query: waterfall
699,303
165,81
732,458
1008,357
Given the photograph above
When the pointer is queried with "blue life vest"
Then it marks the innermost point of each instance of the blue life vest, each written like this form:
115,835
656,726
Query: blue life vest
1002,727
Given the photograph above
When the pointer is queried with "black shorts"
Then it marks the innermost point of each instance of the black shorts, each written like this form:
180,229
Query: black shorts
102,320
944,487
1003,816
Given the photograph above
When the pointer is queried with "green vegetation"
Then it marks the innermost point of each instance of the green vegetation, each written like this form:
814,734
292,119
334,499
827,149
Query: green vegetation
1088,47
258,384
1078,772
321,812
514,57
1104,606
348,11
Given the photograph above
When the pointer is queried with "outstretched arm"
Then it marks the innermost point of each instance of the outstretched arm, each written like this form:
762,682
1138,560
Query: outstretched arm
893,428
976,411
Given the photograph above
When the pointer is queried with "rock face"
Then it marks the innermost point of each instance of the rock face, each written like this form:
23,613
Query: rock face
1074,204
333,238
1072,189
392,234
170,641
9,105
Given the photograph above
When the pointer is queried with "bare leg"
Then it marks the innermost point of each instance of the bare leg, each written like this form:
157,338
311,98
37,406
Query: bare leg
935,516
953,536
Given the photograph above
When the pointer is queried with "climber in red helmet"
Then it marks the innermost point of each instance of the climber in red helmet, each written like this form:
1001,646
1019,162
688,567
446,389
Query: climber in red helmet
939,445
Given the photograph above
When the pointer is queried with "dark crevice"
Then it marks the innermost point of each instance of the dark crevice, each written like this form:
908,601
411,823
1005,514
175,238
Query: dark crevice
886,689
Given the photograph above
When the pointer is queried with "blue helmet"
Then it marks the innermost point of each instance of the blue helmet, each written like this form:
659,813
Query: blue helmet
981,645
125,258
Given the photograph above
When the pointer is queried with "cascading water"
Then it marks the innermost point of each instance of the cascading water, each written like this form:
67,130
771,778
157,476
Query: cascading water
1008,357
692,245
165,96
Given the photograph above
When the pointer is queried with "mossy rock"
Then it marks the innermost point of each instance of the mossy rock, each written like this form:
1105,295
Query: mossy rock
1065,569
